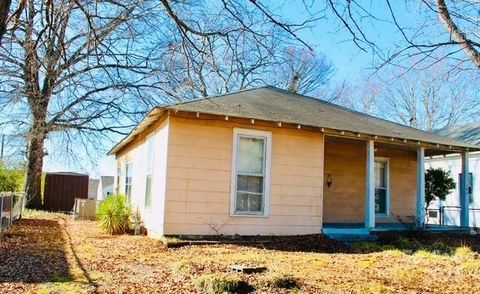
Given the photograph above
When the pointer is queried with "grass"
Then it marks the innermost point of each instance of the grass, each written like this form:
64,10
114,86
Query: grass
77,257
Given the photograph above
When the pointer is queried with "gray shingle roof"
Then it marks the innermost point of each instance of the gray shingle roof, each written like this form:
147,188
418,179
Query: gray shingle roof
469,133
273,104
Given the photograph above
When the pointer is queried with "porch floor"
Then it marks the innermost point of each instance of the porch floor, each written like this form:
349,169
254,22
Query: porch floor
351,232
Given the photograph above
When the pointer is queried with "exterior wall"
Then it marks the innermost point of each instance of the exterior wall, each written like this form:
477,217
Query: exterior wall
344,201
403,183
453,163
153,216
199,181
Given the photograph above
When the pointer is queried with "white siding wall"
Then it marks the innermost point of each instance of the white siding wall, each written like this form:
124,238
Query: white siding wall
153,216
454,165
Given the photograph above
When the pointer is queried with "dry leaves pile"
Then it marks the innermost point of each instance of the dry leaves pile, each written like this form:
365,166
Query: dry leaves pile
52,253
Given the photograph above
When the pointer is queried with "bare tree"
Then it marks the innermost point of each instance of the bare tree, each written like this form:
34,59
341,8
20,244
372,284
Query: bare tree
230,58
4,13
427,99
301,71
73,71
428,30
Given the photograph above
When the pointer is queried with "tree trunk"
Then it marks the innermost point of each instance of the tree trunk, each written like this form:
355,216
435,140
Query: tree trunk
34,170
457,34
4,10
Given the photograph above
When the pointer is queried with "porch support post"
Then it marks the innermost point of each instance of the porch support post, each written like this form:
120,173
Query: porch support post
370,184
464,201
420,217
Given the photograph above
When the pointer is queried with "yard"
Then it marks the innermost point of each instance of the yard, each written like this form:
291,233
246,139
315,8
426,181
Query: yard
47,253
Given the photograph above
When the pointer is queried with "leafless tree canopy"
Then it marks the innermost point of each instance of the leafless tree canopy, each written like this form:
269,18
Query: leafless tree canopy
428,100
428,30
74,71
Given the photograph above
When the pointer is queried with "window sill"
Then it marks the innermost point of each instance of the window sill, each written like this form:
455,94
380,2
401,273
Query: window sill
384,215
249,215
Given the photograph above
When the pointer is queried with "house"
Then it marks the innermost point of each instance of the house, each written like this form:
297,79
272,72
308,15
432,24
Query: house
448,212
269,162
93,188
98,189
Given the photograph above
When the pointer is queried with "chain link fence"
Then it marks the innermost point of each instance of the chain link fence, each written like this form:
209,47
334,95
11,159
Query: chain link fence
11,208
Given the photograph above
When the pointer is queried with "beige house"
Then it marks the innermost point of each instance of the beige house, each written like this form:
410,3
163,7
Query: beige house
269,162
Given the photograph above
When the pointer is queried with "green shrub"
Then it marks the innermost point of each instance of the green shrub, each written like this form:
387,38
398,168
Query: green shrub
11,180
464,253
114,213
366,247
217,284
182,269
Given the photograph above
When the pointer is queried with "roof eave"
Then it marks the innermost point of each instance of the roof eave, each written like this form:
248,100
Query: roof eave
148,120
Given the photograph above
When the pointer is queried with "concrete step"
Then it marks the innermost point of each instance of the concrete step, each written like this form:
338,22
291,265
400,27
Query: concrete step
353,238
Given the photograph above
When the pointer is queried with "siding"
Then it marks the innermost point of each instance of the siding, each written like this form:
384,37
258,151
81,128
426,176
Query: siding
344,201
454,165
153,216
199,180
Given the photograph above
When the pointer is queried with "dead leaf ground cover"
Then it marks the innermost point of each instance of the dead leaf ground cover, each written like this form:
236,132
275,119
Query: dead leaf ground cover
50,253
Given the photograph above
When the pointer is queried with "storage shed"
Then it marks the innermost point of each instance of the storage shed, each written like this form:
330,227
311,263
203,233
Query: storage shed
61,189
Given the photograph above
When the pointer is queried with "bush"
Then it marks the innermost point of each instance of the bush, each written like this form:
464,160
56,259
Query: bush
11,180
114,213
438,184
182,269
217,284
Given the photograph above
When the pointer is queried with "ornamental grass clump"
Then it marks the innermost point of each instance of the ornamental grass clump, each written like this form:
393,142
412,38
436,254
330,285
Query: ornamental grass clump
114,214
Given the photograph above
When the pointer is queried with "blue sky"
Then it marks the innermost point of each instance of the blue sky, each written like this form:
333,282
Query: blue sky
327,36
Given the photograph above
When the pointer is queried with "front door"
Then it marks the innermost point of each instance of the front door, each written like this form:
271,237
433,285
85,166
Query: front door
381,186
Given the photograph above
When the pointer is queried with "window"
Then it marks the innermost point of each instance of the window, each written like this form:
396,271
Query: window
250,182
128,181
117,188
149,164
381,186
469,188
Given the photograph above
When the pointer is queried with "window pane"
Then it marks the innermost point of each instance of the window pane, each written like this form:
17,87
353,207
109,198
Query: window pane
150,148
250,155
380,174
249,202
148,191
380,201
128,181
250,184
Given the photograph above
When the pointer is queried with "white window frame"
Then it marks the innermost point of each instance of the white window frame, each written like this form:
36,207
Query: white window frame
129,198
118,177
385,160
237,133
149,139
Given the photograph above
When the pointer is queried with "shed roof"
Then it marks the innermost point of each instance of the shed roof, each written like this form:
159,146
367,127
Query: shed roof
273,104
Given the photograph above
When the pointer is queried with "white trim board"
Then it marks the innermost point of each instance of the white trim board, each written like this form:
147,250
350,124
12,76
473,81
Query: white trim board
387,184
237,132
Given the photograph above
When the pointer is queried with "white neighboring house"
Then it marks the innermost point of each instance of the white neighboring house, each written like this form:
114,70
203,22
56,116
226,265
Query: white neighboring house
98,189
105,187
93,188
448,212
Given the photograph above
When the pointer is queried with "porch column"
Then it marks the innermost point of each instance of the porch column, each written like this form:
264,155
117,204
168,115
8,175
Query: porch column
370,184
464,201
420,187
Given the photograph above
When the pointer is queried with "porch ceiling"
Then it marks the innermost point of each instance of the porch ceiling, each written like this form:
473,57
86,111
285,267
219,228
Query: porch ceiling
429,150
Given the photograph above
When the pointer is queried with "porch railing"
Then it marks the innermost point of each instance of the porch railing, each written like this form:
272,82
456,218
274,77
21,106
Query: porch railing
443,209
11,208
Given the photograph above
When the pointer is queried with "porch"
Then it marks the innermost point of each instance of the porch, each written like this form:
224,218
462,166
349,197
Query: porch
376,186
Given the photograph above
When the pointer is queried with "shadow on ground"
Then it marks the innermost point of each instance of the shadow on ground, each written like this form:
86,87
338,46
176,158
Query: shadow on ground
440,243
33,251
